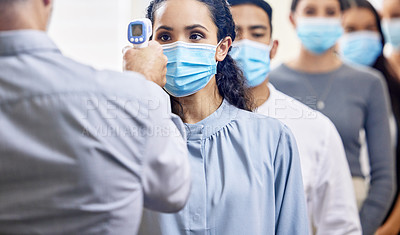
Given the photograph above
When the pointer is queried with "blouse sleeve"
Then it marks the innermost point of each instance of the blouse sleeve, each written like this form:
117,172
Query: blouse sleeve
290,204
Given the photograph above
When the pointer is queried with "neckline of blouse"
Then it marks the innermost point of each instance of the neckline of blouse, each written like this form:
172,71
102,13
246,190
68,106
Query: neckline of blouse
213,123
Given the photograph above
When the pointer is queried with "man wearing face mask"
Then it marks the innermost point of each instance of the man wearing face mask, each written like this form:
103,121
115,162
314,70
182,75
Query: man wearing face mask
82,151
327,181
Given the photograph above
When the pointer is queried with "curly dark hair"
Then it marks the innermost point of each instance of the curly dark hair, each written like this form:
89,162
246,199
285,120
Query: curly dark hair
230,79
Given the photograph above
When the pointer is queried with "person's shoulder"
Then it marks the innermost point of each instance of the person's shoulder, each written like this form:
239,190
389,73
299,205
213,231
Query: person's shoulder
366,81
279,70
283,76
129,88
287,101
298,115
129,84
85,78
259,122
362,73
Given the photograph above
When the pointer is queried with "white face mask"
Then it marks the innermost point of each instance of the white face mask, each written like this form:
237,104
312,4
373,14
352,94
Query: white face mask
190,67
391,30
254,59
319,34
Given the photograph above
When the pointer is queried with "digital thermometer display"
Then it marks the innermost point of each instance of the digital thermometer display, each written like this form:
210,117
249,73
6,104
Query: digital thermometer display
139,32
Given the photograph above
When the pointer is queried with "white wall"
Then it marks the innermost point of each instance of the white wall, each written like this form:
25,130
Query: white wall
376,3
92,31
139,8
283,31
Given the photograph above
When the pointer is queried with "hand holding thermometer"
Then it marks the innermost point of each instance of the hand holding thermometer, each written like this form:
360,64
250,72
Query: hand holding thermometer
139,32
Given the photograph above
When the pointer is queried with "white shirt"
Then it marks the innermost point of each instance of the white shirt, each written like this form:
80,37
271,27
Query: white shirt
327,181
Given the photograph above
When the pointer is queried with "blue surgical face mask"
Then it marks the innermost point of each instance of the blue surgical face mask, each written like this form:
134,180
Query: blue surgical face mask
254,59
361,47
319,34
190,67
391,30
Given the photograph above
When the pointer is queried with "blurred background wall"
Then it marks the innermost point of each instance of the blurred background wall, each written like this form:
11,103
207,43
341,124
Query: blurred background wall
94,31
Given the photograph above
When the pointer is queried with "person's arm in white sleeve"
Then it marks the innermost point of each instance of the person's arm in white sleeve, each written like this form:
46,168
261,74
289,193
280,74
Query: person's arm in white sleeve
334,205
166,169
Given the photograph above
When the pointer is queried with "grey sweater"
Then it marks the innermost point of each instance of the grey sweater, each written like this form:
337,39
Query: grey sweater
354,99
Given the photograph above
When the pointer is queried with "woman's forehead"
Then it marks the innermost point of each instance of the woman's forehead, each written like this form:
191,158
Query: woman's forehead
181,13
319,3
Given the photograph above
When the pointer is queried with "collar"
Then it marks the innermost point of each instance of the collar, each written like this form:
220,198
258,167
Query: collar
272,96
25,41
213,123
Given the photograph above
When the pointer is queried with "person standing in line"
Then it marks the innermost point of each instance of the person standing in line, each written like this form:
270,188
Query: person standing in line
354,98
363,44
246,168
82,151
327,181
391,29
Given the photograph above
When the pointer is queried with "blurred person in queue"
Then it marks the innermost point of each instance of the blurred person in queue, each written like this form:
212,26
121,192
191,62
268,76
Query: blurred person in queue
391,28
246,170
354,98
363,44
79,148
327,181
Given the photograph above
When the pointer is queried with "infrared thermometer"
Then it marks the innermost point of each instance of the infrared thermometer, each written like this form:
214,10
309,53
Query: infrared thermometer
139,32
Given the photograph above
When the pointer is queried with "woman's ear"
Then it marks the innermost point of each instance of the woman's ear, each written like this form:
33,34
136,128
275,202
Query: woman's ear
223,49
292,19
47,2
274,49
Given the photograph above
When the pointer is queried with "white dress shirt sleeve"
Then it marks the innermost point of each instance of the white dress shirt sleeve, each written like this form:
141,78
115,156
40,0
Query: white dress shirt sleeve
334,206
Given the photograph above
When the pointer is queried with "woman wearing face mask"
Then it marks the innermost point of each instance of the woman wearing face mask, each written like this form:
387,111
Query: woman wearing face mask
391,29
363,44
353,98
246,176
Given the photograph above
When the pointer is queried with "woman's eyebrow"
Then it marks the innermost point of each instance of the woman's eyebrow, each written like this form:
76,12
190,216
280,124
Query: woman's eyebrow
165,28
191,27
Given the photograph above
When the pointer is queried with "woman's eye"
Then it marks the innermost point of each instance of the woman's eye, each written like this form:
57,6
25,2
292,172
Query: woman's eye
331,12
164,37
196,36
310,12
350,29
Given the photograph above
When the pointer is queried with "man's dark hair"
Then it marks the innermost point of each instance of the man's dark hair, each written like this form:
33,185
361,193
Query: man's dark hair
260,3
